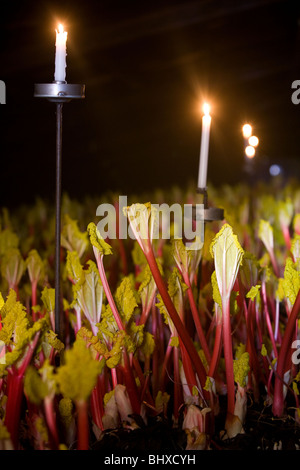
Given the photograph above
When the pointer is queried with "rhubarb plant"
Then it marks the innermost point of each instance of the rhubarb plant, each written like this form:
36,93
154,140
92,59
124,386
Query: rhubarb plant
228,255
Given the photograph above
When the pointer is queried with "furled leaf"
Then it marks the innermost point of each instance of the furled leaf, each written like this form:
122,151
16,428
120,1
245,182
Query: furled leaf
48,299
187,257
143,219
228,255
72,238
88,294
35,266
265,233
12,266
147,287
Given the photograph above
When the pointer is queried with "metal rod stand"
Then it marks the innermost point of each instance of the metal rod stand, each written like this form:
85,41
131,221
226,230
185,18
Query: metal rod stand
59,107
210,213
59,93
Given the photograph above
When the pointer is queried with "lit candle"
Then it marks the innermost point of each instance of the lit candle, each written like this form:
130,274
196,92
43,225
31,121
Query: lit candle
206,120
60,54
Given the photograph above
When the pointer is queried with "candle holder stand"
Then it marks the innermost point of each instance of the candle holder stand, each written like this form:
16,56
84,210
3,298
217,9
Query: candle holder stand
58,93
210,214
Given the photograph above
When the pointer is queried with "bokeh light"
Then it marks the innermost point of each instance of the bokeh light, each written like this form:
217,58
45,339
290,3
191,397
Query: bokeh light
247,131
253,141
250,151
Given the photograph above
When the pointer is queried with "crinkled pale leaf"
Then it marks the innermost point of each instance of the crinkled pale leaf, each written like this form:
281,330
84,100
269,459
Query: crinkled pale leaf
291,282
138,256
54,342
228,255
35,266
12,266
265,233
48,299
34,387
241,369
136,333
17,332
73,266
78,375
107,326
116,352
14,318
97,241
148,345
126,298
253,292
96,346
72,238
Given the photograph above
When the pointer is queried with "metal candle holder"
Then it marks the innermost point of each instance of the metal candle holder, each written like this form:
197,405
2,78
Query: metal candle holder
58,93
211,214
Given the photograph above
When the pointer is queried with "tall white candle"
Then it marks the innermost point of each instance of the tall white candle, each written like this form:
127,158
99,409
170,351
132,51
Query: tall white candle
206,121
60,54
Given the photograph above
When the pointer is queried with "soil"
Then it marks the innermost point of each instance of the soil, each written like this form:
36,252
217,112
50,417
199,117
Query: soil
263,432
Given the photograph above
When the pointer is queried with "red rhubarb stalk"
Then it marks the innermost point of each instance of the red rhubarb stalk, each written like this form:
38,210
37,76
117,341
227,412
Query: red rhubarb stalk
228,355
183,334
82,425
283,357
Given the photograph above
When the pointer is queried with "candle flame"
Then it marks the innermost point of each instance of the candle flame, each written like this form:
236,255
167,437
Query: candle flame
60,28
206,109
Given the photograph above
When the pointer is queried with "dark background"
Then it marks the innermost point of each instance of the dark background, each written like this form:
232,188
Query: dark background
147,67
